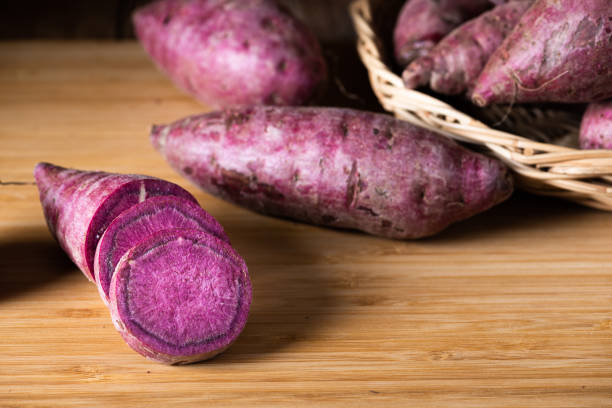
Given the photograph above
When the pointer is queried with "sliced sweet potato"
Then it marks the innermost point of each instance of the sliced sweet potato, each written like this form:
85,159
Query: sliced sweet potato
141,220
180,296
80,205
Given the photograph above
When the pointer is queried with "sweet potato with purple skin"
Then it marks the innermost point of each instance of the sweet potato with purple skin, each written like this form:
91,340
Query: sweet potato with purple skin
140,221
596,126
560,51
422,23
79,205
454,64
229,53
334,167
180,296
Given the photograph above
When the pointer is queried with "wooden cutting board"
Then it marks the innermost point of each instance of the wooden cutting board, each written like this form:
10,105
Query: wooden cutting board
510,308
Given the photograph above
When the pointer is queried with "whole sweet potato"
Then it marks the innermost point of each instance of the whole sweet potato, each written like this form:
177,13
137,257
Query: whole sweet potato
560,51
453,65
334,167
422,23
232,52
596,126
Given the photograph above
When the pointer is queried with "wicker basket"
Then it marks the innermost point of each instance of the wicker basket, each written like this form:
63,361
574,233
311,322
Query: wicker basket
584,176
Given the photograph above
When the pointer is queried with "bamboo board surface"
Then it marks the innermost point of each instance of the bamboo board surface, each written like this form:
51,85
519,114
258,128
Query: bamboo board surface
510,308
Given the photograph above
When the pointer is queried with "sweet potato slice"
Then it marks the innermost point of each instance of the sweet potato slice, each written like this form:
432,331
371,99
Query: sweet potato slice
180,296
140,221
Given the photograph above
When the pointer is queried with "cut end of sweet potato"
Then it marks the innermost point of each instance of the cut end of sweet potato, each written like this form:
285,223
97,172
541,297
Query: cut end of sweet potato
122,198
80,205
180,296
142,220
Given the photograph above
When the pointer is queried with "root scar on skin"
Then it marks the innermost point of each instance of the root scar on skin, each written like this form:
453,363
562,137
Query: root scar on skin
522,87
518,85
510,106
143,193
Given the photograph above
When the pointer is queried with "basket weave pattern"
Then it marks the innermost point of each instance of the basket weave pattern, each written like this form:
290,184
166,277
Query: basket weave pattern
584,176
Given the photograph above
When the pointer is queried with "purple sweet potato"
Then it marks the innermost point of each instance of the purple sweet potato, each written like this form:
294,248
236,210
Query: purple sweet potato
79,205
180,296
422,23
596,126
334,167
454,64
229,53
560,51
140,221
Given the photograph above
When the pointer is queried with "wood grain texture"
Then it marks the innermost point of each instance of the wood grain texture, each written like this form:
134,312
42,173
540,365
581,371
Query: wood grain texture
510,308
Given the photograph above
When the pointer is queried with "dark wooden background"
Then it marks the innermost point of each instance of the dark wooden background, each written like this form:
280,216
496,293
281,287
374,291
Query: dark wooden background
110,19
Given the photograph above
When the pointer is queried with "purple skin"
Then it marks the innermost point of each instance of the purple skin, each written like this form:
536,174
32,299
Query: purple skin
180,296
140,221
596,126
334,167
230,53
80,205
454,64
422,23
560,51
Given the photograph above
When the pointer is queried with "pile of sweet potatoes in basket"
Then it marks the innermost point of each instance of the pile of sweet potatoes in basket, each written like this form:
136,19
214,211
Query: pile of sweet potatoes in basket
177,291
517,51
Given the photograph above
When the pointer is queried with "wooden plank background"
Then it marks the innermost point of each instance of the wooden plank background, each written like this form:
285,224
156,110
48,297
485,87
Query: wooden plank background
110,19
512,308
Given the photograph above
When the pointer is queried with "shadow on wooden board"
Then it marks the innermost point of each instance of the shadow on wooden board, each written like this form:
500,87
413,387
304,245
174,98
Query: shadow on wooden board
294,294
29,264
523,213
293,297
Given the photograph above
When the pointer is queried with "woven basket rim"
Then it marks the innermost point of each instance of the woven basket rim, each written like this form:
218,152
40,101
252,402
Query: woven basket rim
583,176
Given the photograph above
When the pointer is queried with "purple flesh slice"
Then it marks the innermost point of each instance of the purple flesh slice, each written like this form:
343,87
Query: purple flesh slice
180,296
141,220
